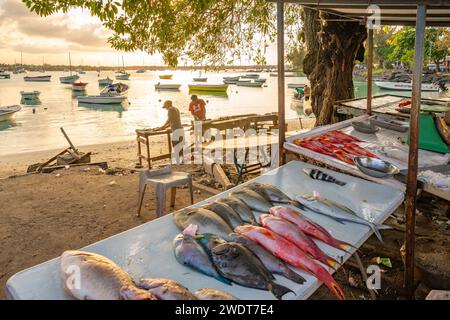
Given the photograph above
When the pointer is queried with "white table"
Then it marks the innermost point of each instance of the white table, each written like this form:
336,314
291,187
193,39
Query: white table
146,251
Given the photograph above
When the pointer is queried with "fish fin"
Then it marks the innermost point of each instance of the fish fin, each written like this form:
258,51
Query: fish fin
293,276
336,290
383,227
223,279
333,263
340,183
376,232
344,246
278,290
297,204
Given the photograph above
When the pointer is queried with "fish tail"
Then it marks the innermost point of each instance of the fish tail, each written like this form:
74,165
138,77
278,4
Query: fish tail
293,276
376,232
332,263
344,246
278,290
336,290
383,227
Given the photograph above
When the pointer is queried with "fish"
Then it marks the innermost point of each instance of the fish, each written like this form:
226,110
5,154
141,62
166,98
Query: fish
293,233
213,294
90,276
253,199
272,194
320,175
134,293
339,212
209,241
272,263
226,213
291,254
206,220
310,227
241,266
190,253
243,210
166,289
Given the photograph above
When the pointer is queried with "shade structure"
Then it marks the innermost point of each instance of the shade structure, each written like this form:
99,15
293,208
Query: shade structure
418,13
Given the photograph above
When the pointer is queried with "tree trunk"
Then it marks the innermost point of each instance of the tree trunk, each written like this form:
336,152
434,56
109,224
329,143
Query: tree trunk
333,47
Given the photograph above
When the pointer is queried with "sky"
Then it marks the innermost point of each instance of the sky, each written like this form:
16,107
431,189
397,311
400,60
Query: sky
51,38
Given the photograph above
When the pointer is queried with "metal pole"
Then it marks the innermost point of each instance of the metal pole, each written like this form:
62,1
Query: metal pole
369,70
411,184
280,55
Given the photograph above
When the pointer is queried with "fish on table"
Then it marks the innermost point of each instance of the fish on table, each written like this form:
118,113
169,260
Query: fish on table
338,212
317,174
207,221
272,263
213,294
226,212
291,232
243,210
190,253
310,227
252,199
166,289
240,265
90,276
272,194
291,254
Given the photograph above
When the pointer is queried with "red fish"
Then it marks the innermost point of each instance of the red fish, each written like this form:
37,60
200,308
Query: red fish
309,227
292,233
362,151
287,251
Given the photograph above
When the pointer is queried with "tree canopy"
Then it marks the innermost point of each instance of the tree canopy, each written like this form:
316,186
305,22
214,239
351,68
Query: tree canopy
211,32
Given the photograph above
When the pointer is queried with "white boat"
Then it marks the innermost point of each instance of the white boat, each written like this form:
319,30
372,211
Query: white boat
249,84
123,76
4,74
231,78
70,78
8,112
44,78
105,81
405,86
295,85
167,86
102,99
199,79
250,76
30,95
80,71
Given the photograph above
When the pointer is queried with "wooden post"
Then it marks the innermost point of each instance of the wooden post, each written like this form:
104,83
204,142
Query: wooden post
281,99
411,184
369,69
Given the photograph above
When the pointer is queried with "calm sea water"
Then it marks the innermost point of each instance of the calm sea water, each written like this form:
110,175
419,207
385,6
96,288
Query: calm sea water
37,127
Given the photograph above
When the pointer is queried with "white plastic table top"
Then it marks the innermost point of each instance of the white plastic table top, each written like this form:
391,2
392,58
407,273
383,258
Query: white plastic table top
146,251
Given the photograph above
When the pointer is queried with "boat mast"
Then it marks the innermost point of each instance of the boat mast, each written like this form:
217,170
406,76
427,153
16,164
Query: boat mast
70,64
123,66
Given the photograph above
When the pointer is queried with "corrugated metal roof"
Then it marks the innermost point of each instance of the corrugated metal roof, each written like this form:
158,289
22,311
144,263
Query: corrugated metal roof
394,12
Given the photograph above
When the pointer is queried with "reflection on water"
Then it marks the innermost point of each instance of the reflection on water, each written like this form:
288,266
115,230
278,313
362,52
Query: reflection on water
4,125
104,107
30,102
79,94
205,93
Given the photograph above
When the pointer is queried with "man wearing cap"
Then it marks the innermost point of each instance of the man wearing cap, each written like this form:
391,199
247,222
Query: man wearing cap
197,108
174,122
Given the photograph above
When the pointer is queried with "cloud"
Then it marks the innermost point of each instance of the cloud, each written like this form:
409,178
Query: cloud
29,32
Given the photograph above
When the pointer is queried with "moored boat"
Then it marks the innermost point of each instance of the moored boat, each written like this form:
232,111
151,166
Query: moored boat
79,86
4,74
43,78
105,81
262,80
405,86
208,87
123,76
30,95
69,79
101,99
295,85
249,84
199,79
140,71
8,112
166,76
167,86
250,76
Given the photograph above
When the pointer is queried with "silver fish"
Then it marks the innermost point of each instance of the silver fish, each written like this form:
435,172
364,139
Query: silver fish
241,266
252,199
272,263
99,277
166,289
243,210
213,294
272,194
206,220
190,253
226,213
338,212
320,175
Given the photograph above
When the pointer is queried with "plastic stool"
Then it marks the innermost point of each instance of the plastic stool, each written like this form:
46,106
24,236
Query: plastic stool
163,179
